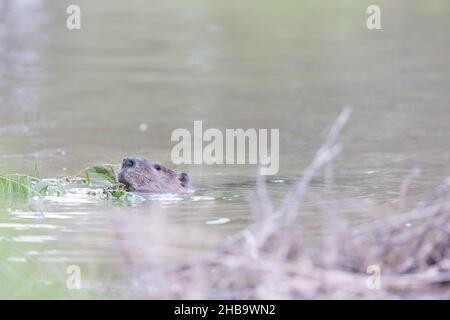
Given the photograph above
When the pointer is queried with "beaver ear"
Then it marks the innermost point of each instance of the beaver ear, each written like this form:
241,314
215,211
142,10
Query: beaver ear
184,178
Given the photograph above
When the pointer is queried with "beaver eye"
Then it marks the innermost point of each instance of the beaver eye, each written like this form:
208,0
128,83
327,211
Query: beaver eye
157,167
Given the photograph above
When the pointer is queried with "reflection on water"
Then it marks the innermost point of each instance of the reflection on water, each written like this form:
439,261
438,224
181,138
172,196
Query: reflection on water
22,67
140,69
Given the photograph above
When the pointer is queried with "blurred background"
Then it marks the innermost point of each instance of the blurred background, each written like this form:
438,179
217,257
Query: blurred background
137,70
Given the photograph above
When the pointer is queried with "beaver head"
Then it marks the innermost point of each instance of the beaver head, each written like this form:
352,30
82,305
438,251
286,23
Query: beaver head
140,175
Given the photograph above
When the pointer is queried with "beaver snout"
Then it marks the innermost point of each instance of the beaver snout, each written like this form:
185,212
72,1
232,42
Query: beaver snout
121,178
128,163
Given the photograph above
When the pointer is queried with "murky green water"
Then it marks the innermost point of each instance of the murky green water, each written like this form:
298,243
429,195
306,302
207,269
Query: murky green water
69,99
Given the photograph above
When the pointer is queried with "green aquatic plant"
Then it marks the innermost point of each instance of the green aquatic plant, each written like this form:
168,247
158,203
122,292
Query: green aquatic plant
22,185
117,192
25,186
106,172
37,171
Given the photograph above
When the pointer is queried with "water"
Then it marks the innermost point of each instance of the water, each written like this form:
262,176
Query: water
140,69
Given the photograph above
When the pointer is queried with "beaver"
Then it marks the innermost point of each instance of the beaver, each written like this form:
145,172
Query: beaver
140,175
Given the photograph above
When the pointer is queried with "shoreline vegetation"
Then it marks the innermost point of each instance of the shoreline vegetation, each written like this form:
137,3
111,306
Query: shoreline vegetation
272,259
403,256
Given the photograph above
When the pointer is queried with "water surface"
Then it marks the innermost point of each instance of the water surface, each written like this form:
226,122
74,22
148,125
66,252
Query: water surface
69,99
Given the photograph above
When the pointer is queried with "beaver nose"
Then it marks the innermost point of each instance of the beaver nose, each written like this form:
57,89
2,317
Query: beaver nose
127,163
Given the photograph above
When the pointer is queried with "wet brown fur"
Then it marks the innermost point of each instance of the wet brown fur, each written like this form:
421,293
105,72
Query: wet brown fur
140,175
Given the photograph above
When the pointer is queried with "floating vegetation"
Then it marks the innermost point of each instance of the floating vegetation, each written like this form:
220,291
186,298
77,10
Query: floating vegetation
22,185
116,191
19,186
106,172
118,194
